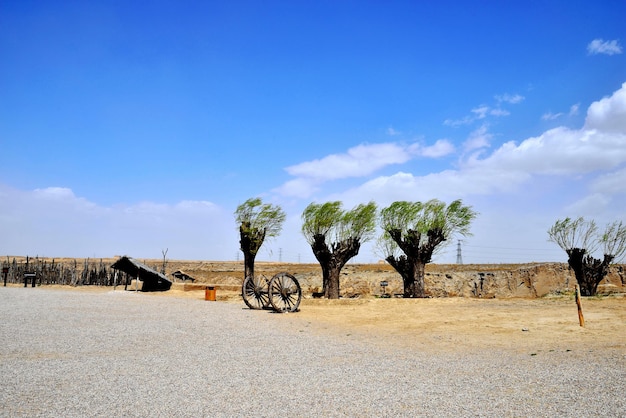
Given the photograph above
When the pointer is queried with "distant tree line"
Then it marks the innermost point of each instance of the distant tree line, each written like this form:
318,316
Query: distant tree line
412,232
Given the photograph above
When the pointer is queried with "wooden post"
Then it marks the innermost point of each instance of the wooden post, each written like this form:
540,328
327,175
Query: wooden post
581,319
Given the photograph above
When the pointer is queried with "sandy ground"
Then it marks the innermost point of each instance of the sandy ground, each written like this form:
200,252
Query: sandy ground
522,325
528,326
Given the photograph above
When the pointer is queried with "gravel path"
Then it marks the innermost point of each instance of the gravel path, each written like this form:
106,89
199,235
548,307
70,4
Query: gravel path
76,354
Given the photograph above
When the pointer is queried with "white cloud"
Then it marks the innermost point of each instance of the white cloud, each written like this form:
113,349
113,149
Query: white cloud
441,148
573,111
393,132
604,198
299,187
559,151
520,189
600,46
608,114
54,222
195,206
510,98
592,205
54,193
499,112
480,111
358,161
562,154
458,122
551,116
480,138
610,183
446,185
599,146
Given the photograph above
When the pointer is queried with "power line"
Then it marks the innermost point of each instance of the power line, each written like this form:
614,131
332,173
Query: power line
517,249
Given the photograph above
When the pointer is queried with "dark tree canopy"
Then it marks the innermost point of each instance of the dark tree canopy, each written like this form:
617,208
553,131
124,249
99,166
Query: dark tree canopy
589,251
257,221
413,231
336,236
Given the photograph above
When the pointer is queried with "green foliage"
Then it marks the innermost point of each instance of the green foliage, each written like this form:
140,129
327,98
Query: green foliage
255,216
319,219
420,219
614,240
574,233
584,235
330,220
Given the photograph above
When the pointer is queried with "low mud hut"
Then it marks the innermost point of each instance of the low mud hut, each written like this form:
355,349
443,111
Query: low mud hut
182,276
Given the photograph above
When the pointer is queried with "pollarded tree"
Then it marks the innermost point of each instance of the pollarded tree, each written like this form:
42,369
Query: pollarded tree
581,239
413,231
257,221
336,236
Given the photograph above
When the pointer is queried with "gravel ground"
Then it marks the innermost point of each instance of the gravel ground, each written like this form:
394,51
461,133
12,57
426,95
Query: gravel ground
77,354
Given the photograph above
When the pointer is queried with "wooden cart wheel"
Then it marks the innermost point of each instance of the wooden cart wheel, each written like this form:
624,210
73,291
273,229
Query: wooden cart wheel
284,293
254,292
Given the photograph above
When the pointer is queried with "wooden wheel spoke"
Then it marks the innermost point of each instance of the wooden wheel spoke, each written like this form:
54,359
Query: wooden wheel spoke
284,293
254,292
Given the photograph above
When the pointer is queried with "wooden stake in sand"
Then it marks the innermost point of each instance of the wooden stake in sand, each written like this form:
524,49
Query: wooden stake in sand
581,319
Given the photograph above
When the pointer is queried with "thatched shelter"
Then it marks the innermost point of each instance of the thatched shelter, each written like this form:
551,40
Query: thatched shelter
181,275
152,279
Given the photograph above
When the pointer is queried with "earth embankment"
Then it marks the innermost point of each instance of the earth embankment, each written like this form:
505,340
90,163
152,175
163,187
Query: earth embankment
528,280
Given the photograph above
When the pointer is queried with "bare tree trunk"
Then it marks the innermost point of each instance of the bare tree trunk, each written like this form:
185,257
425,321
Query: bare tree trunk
412,264
419,290
412,273
325,278
332,291
405,269
250,241
333,261
248,264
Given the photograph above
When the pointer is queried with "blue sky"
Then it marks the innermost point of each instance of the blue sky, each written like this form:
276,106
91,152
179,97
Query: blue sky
128,129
